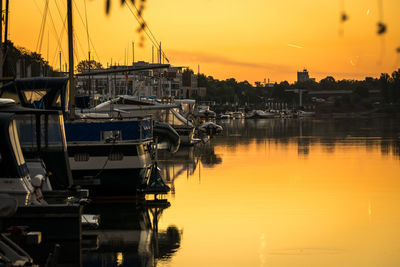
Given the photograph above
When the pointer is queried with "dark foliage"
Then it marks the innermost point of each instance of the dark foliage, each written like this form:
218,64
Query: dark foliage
21,61
232,91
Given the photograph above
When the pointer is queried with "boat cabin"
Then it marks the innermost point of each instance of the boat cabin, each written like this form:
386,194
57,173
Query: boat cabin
42,136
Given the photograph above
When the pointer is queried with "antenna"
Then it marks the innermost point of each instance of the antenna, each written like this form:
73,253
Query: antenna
160,53
71,61
133,53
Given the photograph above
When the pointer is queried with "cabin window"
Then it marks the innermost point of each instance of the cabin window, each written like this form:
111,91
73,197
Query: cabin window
35,98
51,132
81,157
58,101
111,136
115,156
26,125
12,129
55,135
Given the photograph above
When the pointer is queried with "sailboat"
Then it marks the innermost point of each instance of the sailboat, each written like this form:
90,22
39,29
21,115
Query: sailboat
108,156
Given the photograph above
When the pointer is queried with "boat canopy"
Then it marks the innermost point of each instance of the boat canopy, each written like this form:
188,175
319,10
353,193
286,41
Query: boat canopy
39,92
174,118
97,130
129,103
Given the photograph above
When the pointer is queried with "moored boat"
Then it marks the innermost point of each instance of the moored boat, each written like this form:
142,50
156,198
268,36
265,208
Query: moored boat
260,114
32,211
108,156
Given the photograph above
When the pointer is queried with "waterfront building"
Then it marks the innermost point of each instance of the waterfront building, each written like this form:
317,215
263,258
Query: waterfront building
174,81
303,76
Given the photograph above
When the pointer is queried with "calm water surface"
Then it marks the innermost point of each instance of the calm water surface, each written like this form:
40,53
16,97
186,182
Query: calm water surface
288,193
269,193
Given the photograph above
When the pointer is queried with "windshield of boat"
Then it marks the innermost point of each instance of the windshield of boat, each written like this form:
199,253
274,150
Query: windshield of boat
35,98
52,134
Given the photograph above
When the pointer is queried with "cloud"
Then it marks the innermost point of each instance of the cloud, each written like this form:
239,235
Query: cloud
295,46
280,71
343,75
200,57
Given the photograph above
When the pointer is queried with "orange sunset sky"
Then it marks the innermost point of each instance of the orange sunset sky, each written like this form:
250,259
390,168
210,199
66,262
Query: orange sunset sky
247,40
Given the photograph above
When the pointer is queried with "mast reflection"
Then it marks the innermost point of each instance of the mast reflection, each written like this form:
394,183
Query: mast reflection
186,161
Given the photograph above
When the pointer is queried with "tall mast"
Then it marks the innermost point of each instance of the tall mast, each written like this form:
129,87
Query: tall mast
133,53
71,61
60,62
160,54
5,36
1,39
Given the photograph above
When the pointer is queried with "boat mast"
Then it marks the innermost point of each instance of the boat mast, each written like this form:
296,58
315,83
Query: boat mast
5,37
71,61
1,40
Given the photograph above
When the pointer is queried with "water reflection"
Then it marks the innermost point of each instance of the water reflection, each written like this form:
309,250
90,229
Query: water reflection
370,133
272,193
186,161
289,193
128,235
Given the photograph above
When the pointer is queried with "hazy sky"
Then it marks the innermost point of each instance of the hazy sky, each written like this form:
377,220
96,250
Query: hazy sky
248,40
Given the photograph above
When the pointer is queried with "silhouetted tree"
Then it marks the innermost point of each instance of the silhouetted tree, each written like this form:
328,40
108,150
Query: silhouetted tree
396,86
328,83
85,64
21,61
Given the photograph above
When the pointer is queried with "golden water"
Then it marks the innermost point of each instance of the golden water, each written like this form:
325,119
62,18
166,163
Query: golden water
288,193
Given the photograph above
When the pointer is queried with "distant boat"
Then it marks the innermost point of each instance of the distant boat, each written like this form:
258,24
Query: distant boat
225,116
302,113
204,112
260,114
238,115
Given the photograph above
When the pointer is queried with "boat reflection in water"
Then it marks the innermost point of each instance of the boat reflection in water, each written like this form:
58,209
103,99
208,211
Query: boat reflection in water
186,160
307,132
128,235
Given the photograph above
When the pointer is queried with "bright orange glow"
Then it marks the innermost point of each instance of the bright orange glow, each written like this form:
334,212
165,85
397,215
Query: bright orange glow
267,206
248,40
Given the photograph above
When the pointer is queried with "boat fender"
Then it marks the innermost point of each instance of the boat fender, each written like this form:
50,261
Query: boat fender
37,182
